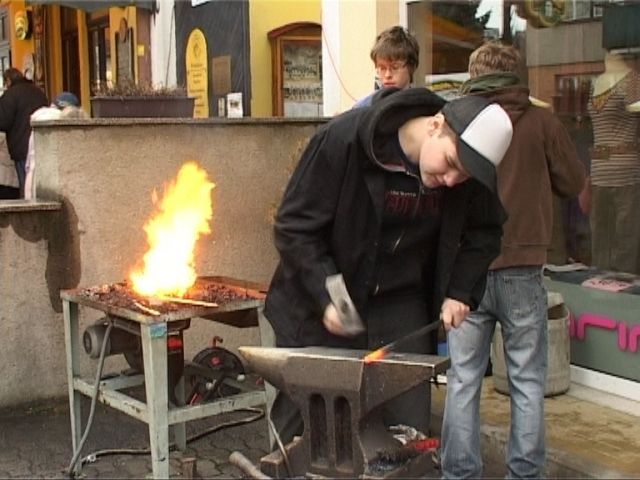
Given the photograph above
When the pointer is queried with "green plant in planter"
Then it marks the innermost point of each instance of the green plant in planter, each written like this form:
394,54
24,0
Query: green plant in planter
128,99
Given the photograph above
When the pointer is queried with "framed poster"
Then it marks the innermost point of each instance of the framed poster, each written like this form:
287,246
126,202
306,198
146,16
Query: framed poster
302,78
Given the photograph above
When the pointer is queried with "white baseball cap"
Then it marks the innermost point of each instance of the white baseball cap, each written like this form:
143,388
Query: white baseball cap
484,135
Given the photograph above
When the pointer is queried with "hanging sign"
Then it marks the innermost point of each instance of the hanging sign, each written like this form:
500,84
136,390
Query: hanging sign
541,13
197,73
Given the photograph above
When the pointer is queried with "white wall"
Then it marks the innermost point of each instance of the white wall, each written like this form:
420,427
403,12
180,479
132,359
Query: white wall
349,30
163,44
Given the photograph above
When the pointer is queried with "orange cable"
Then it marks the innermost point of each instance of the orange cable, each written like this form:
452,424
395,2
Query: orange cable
334,67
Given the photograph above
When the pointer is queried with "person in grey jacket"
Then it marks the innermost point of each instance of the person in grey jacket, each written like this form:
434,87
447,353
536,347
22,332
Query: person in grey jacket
399,198
541,160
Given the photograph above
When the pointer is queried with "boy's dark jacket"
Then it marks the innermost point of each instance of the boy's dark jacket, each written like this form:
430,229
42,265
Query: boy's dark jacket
329,222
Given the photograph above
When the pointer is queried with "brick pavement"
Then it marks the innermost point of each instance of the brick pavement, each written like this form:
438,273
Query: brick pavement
36,443
584,440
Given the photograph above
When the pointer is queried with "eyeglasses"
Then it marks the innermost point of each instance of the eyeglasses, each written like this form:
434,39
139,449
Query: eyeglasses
382,70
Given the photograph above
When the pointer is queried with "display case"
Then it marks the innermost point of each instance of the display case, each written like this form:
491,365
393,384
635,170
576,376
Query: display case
296,53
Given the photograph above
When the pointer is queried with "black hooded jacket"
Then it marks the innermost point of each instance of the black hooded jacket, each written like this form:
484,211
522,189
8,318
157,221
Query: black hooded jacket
330,219
17,104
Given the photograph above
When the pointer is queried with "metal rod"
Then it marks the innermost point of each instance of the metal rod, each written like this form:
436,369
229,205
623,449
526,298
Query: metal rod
187,301
148,310
385,349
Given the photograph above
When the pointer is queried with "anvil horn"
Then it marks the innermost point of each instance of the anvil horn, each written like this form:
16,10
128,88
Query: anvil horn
267,362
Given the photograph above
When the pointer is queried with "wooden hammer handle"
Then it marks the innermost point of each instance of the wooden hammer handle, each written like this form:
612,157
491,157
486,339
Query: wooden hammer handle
247,467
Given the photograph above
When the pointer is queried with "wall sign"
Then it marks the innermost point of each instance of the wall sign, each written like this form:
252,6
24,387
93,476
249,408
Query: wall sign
40,47
221,75
604,327
541,13
22,25
197,73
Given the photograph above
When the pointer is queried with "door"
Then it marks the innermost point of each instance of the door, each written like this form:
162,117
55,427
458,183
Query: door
70,56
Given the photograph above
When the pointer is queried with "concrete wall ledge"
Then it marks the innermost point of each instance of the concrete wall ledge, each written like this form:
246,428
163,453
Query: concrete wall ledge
92,122
12,206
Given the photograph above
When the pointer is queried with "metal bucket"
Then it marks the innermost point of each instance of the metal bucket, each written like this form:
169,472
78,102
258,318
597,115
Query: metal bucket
558,372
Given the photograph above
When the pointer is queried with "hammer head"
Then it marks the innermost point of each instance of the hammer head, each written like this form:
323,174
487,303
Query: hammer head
349,316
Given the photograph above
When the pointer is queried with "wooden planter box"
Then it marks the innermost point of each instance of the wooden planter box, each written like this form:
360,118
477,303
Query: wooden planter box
140,107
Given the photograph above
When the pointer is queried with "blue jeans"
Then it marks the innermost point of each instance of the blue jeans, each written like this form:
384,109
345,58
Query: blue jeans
517,299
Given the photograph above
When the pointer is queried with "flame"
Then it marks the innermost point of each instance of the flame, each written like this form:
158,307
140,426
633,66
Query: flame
183,216
375,356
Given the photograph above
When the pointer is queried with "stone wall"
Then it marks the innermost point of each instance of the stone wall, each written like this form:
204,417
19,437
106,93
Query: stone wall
103,173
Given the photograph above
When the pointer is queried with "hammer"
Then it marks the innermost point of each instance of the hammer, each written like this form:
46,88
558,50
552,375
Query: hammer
349,316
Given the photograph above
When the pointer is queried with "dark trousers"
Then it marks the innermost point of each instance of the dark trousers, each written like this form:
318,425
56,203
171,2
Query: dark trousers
387,320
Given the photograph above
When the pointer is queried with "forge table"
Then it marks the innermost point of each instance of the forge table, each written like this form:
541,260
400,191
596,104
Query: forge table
156,411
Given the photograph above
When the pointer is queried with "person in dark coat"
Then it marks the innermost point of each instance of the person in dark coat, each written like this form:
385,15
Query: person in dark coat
20,99
399,198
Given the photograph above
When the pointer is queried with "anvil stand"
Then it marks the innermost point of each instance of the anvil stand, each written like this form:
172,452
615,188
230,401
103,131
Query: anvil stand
156,412
341,399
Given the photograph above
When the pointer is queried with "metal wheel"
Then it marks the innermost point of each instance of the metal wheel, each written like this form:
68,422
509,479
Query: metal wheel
206,375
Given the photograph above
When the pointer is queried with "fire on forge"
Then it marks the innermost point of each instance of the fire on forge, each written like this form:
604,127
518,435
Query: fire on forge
206,296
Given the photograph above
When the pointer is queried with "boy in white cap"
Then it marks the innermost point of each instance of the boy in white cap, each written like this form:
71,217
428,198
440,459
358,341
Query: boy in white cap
399,198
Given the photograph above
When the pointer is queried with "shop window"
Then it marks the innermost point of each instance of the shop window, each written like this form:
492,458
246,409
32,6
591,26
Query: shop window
568,48
70,56
572,95
457,29
580,10
99,51
4,31
5,47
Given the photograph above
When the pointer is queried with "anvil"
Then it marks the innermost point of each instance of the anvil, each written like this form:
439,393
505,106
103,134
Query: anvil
340,399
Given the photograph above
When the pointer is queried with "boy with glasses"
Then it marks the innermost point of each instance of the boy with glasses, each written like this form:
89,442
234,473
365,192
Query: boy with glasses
395,56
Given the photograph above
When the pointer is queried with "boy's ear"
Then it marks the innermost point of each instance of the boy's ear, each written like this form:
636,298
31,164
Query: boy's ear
436,123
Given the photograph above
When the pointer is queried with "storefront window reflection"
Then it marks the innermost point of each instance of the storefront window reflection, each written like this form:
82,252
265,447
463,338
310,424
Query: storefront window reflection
581,60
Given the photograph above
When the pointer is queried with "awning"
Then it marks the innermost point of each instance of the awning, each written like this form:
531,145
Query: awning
92,5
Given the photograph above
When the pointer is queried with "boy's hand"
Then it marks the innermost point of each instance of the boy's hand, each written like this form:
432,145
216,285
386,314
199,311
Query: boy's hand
332,321
453,313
